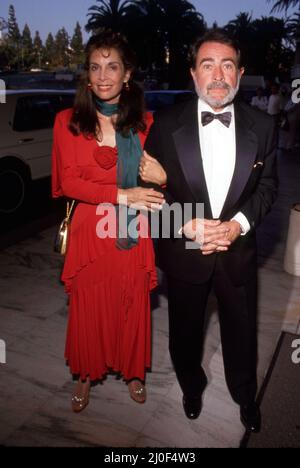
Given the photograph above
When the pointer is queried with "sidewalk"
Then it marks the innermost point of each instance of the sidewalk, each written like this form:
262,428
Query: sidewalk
35,385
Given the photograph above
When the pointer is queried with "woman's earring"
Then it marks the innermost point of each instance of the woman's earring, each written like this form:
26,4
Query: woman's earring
126,83
89,86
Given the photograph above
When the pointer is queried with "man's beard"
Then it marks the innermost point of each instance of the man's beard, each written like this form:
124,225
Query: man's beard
219,103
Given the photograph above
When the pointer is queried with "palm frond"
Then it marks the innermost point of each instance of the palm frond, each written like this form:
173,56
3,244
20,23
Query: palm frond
284,5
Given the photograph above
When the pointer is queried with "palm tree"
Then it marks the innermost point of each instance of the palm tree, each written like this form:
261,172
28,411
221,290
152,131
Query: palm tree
294,30
294,25
241,29
145,32
272,55
168,27
138,20
160,31
272,36
110,14
181,25
284,4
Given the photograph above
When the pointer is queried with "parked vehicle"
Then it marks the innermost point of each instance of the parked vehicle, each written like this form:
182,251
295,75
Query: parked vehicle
39,80
26,122
160,99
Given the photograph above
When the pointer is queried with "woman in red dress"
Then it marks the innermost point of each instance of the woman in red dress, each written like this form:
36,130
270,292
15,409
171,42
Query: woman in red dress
108,274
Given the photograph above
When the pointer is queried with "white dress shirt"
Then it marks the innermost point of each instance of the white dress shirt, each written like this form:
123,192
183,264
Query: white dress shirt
260,102
218,148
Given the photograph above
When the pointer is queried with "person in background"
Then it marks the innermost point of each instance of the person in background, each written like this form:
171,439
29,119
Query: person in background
260,101
291,131
97,149
285,93
274,103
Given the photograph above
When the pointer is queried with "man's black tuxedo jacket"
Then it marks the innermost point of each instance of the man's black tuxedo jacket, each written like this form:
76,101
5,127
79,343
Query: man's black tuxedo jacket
174,141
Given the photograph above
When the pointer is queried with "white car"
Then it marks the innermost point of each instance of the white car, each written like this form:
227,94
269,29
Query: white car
26,123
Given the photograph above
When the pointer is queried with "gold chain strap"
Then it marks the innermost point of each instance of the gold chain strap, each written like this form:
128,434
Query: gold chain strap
70,207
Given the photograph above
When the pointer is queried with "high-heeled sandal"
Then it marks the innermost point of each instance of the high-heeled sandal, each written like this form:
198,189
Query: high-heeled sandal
137,391
79,403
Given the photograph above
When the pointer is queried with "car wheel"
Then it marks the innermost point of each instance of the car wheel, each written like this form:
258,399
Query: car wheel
14,187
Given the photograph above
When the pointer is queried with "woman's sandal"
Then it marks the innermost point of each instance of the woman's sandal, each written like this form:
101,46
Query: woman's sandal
79,401
137,391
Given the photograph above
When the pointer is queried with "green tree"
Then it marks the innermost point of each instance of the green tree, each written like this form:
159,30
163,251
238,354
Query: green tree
241,26
263,43
181,24
26,38
280,5
3,27
160,31
13,38
4,56
3,44
26,47
293,25
294,32
109,14
38,50
50,51
166,28
242,30
272,56
13,29
77,45
144,30
62,42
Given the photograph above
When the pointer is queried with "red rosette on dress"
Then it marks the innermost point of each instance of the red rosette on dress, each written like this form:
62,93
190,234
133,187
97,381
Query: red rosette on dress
106,156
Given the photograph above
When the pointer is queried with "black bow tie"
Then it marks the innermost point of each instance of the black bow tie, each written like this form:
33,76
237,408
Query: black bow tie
207,117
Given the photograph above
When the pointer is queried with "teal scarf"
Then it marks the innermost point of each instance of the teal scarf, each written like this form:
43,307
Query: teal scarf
129,156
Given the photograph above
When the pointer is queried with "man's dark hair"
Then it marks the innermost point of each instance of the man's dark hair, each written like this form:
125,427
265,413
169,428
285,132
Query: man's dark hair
214,35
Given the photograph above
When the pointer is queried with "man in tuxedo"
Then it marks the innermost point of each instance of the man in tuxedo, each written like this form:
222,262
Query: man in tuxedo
220,153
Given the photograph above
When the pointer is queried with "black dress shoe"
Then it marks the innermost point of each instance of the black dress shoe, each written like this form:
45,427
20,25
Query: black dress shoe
251,417
192,406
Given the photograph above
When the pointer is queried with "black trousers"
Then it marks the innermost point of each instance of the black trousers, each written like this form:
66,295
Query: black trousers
237,314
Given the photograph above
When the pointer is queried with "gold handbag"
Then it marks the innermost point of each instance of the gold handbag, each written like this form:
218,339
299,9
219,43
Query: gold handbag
61,240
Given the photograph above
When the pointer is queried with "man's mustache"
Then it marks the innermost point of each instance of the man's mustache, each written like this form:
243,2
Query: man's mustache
219,85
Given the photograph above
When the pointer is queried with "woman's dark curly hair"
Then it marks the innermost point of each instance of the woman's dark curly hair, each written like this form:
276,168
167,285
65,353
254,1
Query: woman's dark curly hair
131,104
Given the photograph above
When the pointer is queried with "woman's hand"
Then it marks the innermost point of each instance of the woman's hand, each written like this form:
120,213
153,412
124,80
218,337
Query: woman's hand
141,198
152,171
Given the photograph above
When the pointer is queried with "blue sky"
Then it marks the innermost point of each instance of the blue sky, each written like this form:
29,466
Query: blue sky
50,15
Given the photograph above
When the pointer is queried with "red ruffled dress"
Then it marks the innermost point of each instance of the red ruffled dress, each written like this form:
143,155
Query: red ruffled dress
109,327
